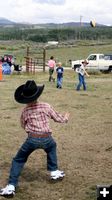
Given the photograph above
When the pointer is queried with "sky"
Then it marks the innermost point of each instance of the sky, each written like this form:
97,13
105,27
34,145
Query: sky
57,11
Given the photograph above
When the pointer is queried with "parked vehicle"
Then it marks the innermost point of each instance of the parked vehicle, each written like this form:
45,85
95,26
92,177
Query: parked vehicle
8,58
8,64
101,62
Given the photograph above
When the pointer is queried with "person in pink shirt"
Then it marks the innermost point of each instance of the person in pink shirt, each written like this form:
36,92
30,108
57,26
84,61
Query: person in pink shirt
51,64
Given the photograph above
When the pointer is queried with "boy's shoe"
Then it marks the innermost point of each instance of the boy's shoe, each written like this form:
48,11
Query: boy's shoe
8,191
56,175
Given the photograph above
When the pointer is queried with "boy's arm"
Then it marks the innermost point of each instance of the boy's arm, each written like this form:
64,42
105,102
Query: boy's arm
57,117
86,73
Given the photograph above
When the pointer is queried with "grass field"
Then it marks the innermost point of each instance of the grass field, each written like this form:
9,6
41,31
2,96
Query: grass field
84,145
62,53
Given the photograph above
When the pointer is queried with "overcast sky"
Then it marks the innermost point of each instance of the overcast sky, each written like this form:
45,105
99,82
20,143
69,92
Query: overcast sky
57,11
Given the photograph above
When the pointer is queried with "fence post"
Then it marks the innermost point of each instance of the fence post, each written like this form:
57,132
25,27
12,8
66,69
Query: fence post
27,59
0,72
44,58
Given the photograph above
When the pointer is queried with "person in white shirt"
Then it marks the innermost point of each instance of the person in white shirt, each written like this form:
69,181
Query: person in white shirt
81,72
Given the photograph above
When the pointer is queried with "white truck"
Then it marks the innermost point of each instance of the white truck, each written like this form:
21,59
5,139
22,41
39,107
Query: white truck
101,62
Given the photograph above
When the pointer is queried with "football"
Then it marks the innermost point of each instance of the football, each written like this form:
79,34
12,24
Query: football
92,23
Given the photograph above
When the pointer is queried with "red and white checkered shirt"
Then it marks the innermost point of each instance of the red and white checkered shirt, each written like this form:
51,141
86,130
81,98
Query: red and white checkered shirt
35,117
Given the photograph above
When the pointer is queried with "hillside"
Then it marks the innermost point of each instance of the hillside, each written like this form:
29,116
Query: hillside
6,22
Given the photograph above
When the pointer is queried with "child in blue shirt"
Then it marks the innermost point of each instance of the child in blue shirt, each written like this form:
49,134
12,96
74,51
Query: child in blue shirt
59,72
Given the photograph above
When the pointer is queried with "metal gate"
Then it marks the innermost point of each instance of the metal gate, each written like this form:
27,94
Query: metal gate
34,63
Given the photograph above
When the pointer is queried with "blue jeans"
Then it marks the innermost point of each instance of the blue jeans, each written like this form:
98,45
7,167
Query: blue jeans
47,144
81,82
59,82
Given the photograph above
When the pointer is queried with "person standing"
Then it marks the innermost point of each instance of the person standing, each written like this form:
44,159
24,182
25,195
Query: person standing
81,73
51,64
59,71
35,121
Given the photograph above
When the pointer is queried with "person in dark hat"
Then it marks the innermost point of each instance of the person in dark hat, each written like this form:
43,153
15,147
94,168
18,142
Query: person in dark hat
35,120
81,74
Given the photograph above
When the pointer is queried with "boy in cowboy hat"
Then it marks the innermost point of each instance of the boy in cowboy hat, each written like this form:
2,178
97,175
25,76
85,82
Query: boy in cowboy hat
81,72
35,120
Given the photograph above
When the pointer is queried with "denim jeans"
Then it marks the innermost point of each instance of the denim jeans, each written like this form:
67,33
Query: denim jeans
47,144
59,81
81,82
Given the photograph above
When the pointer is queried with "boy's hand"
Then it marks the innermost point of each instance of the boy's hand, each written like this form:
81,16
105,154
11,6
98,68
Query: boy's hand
67,115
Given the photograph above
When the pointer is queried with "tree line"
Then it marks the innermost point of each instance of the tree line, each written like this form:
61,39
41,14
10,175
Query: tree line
58,34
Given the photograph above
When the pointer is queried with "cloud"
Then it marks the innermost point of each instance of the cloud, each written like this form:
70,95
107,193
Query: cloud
56,11
50,1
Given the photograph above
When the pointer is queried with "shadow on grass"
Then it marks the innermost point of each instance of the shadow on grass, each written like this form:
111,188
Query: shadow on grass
30,175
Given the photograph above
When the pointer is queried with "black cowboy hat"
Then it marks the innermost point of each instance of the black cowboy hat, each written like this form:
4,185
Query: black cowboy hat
28,92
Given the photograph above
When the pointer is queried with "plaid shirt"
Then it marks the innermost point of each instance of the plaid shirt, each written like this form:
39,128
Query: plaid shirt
35,117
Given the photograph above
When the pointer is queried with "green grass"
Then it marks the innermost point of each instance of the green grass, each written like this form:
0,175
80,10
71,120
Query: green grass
84,144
